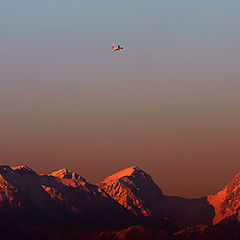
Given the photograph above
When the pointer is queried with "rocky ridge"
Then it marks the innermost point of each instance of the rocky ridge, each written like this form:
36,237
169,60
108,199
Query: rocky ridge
127,196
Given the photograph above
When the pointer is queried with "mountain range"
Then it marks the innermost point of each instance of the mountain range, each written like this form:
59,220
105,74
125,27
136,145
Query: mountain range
125,199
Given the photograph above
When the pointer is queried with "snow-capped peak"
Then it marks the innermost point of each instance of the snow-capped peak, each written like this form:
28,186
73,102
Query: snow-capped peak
131,171
23,170
65,173
134,189
227,201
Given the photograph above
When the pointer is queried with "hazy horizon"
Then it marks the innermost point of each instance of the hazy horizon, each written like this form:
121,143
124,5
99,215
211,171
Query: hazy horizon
168,103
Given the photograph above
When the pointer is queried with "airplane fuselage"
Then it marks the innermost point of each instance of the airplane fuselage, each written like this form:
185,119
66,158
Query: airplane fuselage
118,48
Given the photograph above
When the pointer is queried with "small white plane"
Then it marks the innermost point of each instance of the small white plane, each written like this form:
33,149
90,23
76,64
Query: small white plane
118,48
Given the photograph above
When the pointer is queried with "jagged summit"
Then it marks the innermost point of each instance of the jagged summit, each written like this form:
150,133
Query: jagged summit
134,189
23,170
62,195
65,173
131,171
22,167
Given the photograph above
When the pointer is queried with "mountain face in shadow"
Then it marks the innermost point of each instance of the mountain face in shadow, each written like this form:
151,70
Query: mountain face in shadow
60,196
125,199
136,191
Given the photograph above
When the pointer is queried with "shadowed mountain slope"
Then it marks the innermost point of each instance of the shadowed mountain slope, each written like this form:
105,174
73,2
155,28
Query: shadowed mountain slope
128,197
135,190
61,196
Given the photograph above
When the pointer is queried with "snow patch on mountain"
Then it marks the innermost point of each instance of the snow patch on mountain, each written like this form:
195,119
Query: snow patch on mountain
132,188
124,173
59,195
65,173
227,201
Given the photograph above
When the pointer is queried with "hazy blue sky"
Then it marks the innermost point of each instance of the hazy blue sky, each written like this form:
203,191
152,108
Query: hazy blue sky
168,103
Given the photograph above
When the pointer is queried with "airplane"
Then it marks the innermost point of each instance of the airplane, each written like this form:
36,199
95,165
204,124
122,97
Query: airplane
118,48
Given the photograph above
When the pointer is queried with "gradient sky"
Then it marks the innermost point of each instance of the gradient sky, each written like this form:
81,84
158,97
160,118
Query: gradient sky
169,103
